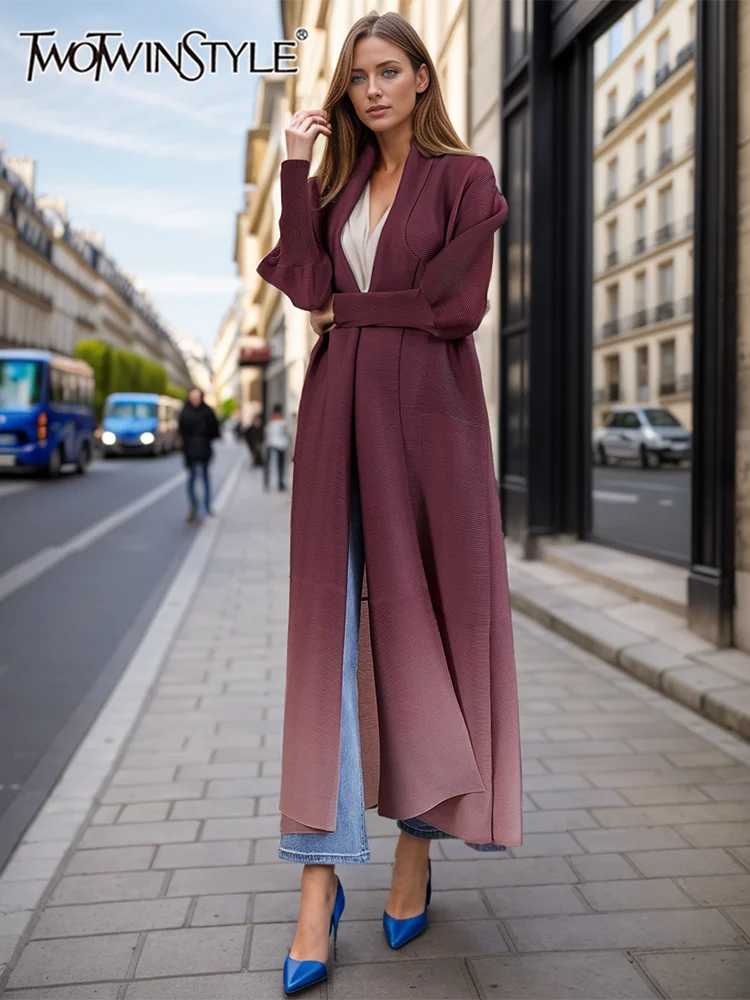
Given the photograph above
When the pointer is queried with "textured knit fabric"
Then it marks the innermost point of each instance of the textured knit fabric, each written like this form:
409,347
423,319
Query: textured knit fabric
399,377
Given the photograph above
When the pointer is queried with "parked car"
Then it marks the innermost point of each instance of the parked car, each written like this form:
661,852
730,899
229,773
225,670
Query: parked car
648,434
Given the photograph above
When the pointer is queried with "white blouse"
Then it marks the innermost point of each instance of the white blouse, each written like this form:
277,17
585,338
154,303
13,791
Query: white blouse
358,243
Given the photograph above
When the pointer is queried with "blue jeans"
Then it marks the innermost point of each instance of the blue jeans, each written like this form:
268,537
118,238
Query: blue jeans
194,469
348,843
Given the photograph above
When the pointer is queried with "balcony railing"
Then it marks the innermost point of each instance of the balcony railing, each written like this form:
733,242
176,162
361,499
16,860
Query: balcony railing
611,197
611,328
665,310
663,73
674,384
611,125
665,233
639,246
665,158
686,53
639,319
612,258
640,176
638,98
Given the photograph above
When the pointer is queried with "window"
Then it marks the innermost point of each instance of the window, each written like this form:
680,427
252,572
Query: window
665,307
612,377
640,77
662,52
639,290
665,206
665,141
667,370
613,302
612,106
692,21
641,373
640,220
20,384
131,410
615,41
640,159
612,178
640,17
612,237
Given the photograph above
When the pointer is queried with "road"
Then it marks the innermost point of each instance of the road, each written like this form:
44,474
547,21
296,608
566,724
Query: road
84,561
644,509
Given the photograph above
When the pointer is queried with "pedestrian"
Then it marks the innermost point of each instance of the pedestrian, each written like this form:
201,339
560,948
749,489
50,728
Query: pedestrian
254,434
276,440
198,429
390,248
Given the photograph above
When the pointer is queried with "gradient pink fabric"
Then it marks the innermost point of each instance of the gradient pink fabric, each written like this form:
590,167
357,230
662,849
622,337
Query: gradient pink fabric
399,379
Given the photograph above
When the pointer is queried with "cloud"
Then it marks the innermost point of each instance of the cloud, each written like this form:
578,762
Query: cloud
156,208
184,283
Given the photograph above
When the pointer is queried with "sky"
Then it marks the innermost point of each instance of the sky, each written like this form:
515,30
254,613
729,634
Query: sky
152,162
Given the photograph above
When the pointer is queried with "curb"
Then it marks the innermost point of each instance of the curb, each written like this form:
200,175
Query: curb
695,681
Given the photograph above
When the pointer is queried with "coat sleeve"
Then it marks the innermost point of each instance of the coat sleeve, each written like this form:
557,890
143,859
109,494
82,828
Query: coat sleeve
451,297
298,266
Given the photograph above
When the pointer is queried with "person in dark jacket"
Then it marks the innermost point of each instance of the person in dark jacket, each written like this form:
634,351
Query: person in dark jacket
254,438
198,429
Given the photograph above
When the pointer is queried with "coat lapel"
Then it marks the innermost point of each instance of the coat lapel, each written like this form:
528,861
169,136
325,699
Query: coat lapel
415,172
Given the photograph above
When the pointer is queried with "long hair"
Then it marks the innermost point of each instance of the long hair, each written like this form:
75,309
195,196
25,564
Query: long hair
432,128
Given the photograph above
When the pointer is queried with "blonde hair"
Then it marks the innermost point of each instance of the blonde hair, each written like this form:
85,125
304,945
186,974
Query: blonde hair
432,128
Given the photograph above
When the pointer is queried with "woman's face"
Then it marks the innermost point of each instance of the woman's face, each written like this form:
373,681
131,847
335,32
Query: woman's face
382,77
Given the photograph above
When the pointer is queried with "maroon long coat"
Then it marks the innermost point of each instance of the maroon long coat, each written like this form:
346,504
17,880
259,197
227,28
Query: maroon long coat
398,378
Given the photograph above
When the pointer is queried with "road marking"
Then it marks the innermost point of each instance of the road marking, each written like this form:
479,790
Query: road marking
608,496
32,568
9,489
71,803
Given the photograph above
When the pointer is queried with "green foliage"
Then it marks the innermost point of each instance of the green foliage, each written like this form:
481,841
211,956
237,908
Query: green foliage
228,406
176,391
123,371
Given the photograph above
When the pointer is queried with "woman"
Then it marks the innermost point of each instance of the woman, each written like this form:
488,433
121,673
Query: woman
390,248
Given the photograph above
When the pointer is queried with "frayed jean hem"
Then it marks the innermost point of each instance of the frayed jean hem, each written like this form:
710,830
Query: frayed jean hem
324,859
431,833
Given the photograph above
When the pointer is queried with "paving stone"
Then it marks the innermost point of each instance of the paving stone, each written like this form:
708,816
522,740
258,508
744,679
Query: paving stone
214,808
718,890
716,834
639,894
109,918
233,769
96,991
105,888
144,812
433,980
154,793
363,941
557,820
143,776
105,814
536,845
237,828
132,834
533,901
491,873
670,864
18,896
601,867
239,878
212,911
110,859
670,815
52,963
651,929
203,855
679,795
583,976
196,950
701,975
240,986
240,787
585,798
629,839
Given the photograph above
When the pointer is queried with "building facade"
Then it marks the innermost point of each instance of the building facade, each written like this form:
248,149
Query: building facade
59,286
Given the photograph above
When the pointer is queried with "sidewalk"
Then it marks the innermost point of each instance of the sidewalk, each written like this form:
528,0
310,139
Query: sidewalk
633,881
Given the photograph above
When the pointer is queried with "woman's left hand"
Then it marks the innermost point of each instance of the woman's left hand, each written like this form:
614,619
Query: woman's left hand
322,319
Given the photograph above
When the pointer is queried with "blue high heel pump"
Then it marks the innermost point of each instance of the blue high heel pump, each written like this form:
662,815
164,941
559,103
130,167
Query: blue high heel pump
300,974
400,932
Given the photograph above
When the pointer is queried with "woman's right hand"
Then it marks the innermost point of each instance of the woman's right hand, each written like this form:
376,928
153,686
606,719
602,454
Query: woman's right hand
304,129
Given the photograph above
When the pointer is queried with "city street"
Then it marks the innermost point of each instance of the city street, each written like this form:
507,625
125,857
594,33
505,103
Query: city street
83,564
645,509
633,880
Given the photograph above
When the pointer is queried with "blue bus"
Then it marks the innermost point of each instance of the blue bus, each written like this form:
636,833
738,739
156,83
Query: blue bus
140,423
46,411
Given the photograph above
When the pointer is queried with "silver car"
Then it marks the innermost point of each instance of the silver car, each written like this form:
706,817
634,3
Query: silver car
647,434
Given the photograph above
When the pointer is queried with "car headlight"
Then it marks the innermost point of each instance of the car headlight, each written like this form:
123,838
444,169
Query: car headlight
108,437
147,438
651,435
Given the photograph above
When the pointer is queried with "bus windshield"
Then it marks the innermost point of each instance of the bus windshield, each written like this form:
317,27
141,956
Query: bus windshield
131,410
20,384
